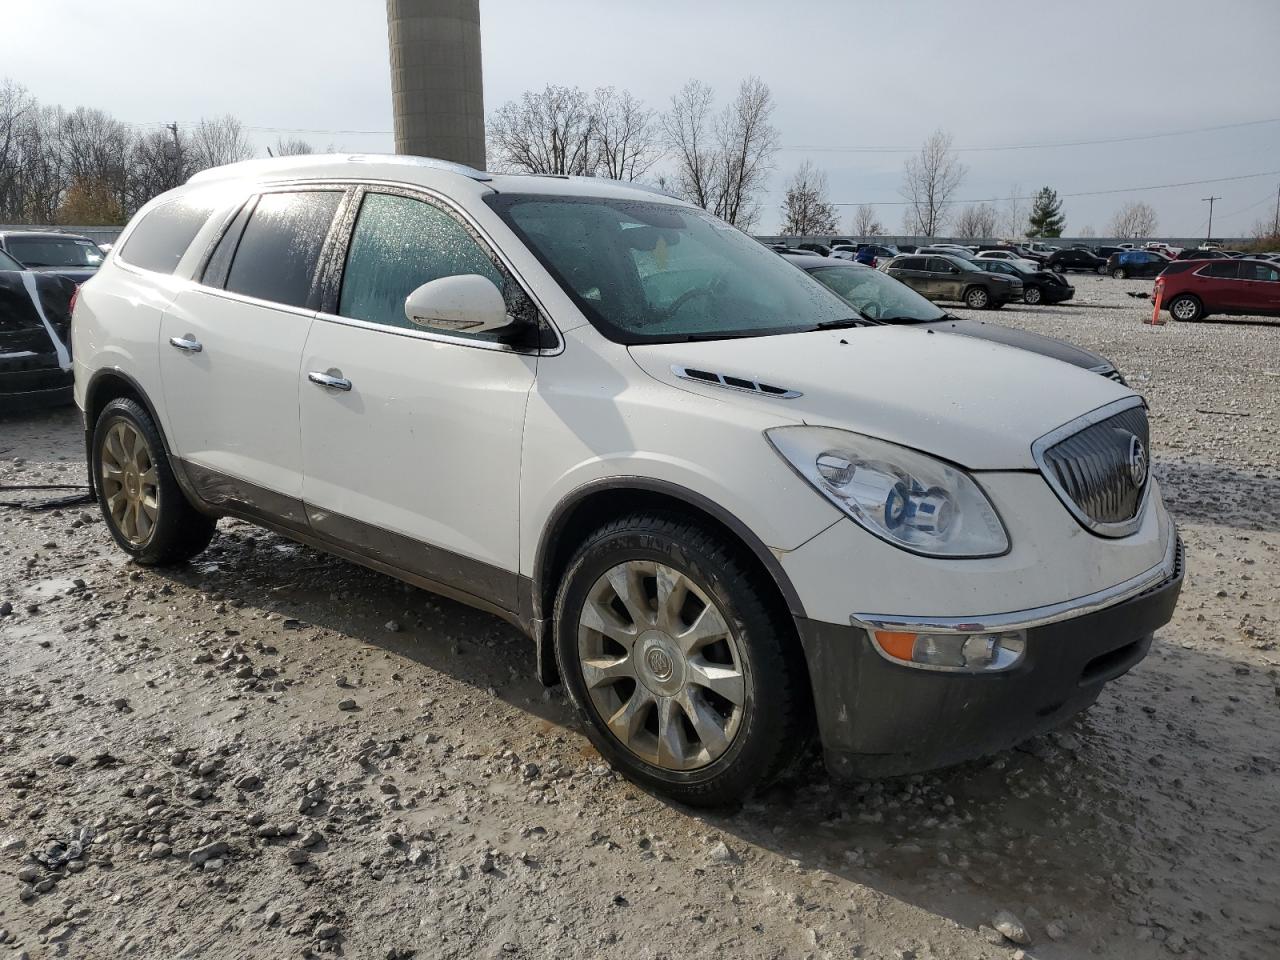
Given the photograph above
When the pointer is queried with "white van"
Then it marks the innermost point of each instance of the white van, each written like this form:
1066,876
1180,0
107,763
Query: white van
730,511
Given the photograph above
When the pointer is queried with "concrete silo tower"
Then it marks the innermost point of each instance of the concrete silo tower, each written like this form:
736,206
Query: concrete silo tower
436,79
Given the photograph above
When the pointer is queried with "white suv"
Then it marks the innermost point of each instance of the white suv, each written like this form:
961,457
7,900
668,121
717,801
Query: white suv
729,512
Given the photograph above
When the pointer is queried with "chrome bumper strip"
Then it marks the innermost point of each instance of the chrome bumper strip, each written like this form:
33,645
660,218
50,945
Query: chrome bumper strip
1037,616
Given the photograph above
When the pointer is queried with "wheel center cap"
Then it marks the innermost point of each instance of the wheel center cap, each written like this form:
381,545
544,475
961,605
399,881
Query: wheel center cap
660,664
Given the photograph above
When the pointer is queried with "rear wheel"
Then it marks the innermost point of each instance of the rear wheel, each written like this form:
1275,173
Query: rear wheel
1186,308
977,298
689,682
1058,269
1102,269
145,509
1032,295
1119,273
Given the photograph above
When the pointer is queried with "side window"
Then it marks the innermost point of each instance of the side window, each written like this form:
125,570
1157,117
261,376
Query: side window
215,271
937,265
278,252
1221,269
1259,271
400,243
163,235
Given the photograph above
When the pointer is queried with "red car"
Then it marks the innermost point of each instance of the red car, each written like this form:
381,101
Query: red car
1194,289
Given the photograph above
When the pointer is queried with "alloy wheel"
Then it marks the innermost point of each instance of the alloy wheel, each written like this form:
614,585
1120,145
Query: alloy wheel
661,665
1184,309
130,487
977,298
1031,295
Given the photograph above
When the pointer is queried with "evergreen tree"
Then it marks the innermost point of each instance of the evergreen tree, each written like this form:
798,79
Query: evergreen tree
1046,218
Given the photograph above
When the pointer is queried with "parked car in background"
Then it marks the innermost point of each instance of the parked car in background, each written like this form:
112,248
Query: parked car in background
1038,286
1007,256
1106,250
1194,254
1196,289
942,277
878,296
67,255
729,510
1136,263
35,342
1062,261
821,249
947,251
880,251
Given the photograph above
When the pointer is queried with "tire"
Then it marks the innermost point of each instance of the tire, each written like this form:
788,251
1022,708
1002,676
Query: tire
145,509
1120,273
977,298
653,696
1032,295
1185,308
1059,269
1102,269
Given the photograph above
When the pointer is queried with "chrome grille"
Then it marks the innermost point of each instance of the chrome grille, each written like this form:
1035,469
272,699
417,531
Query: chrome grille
1100,467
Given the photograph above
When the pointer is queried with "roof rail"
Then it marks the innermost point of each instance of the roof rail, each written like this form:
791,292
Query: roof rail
265,166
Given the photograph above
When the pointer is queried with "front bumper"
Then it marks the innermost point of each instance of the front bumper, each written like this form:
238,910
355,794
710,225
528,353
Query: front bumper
877,718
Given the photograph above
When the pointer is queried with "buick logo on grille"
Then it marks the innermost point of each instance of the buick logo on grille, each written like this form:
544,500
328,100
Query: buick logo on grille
1137,461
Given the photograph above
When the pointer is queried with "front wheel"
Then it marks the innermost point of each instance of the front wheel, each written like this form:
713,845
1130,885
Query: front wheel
690,683
1186,308
1059,269
145,509
1119,273
1032,295
1102,269
977,298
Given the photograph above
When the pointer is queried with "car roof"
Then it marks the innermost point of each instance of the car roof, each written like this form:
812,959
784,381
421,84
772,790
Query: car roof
809,261
43,234
424,171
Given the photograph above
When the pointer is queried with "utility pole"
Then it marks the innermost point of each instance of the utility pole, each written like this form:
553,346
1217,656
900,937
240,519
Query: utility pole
1210,202
174,153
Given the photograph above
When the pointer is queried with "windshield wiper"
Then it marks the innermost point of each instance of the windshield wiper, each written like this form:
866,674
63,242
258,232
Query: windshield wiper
845,323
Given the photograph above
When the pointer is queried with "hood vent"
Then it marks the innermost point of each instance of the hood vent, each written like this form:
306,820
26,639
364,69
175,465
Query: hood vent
730,382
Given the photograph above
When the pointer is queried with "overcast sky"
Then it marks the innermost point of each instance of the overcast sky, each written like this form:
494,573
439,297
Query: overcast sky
844,73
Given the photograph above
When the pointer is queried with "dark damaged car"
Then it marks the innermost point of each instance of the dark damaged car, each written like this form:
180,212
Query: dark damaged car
63,254
35,337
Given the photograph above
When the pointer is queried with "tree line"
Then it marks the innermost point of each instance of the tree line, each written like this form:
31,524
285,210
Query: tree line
83,166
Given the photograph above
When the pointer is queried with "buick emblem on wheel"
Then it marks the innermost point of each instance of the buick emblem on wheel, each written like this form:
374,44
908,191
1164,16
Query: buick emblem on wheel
1137,461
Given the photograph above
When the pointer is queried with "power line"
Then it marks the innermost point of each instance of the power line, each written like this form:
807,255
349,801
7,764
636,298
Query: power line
1082,193
1042,146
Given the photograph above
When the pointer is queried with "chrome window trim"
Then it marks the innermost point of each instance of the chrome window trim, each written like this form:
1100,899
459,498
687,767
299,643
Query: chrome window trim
198,287
441,337
1036,616
1105,412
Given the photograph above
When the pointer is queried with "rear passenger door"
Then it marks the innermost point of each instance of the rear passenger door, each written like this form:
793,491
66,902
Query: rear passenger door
943,284
412,458
231,348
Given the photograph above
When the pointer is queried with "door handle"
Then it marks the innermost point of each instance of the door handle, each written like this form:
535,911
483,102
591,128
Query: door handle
188,343
329,380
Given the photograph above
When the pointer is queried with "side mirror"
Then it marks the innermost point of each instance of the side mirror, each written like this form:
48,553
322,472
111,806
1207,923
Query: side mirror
468,303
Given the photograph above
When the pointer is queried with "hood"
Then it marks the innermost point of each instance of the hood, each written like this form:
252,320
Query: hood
974,402
1023,340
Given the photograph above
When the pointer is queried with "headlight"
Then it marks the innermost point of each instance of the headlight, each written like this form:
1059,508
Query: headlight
910,499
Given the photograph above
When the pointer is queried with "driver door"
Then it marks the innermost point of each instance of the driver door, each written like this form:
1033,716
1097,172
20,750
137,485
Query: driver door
411,435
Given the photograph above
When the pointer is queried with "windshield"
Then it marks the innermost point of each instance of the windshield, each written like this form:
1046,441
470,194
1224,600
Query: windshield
963,263
644,271
877,295
55,251
8,263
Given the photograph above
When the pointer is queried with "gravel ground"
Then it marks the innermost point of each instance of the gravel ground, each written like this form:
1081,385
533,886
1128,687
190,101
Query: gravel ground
272,752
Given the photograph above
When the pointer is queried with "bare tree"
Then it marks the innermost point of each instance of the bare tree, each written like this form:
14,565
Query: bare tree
625,134
1012,221
806,211
293,147
156,164
548,132
721,163
1087,231
747,142
929,180
976,221
1134,220
689,137
866,223
216,142
17,109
